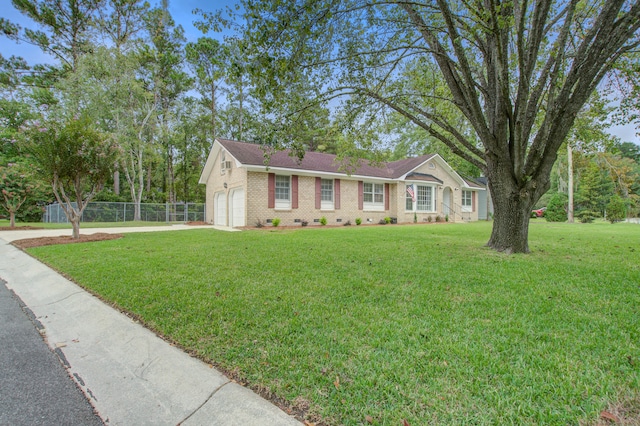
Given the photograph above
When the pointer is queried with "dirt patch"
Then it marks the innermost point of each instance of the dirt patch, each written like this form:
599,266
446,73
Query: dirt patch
625,412
48,241
18,228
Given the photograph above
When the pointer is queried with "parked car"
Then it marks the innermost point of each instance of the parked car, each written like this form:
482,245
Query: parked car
538,212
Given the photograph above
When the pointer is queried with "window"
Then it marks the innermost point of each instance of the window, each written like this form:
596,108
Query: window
326,194
283,192
409,199
222,159
373,196
425,198
467,201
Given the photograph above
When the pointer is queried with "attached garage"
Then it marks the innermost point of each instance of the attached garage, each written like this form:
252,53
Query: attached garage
220,208
236,207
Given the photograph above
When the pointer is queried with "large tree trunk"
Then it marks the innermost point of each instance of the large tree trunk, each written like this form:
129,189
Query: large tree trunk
512,203
510,233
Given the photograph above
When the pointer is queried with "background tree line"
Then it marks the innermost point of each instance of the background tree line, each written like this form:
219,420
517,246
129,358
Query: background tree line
126,69
380,80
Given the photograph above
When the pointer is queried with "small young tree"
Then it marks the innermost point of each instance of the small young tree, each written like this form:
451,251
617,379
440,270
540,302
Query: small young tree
76,159
557,208
616,209
17,182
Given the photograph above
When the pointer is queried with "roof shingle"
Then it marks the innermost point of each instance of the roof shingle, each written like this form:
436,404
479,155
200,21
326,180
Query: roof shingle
252,154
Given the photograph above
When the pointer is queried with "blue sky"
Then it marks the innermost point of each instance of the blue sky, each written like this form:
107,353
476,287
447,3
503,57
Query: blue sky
181,11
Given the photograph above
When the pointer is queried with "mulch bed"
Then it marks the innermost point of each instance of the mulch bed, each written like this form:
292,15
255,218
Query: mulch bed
48,241
18,228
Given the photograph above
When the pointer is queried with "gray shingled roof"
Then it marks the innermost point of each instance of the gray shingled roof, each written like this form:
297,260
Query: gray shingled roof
423,177
254,155
473,183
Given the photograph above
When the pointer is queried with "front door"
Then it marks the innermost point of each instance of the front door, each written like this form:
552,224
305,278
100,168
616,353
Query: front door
446,201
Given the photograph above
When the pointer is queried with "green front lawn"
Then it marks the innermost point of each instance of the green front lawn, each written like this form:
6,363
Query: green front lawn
385,323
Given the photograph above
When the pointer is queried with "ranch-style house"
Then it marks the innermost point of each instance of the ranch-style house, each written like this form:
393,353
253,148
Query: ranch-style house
243,188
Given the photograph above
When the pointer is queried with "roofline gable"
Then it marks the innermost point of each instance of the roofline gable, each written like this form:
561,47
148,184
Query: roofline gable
210,163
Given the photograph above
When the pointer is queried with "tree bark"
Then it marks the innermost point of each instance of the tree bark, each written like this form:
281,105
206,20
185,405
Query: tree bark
12,219
213,112
116,182
510,232
75,224
570,184
512,202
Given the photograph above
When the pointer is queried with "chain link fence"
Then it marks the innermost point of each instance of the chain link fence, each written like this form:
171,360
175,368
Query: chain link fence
123,212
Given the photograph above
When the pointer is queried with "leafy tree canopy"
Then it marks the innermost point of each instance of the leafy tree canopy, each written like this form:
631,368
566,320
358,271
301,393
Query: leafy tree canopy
75,159
517,73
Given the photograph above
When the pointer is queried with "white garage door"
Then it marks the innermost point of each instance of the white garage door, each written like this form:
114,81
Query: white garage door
220,207
237,207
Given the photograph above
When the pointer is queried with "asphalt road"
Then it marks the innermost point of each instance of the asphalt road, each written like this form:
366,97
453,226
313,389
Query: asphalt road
35,389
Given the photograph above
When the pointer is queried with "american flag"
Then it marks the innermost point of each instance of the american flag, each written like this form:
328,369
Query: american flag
410,192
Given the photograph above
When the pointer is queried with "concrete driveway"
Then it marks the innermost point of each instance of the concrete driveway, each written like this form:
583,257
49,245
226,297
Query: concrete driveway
19,234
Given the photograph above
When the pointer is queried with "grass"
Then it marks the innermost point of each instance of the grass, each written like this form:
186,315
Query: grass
393,322
87,225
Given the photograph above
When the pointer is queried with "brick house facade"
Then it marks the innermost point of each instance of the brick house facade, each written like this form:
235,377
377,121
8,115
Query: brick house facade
241,190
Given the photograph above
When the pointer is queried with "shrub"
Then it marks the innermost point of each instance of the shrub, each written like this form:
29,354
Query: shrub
382,222
259,224
446,218
358,221
323,221
429,218
438,218
387,219
347,223
304,222
586,216
616,209
275,222
557,208
415,217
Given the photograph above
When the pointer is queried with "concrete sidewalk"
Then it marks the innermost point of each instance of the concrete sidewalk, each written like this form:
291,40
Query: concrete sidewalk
130,375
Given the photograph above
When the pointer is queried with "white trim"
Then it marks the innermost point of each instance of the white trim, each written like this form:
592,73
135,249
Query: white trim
447,168
210,163
314,173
